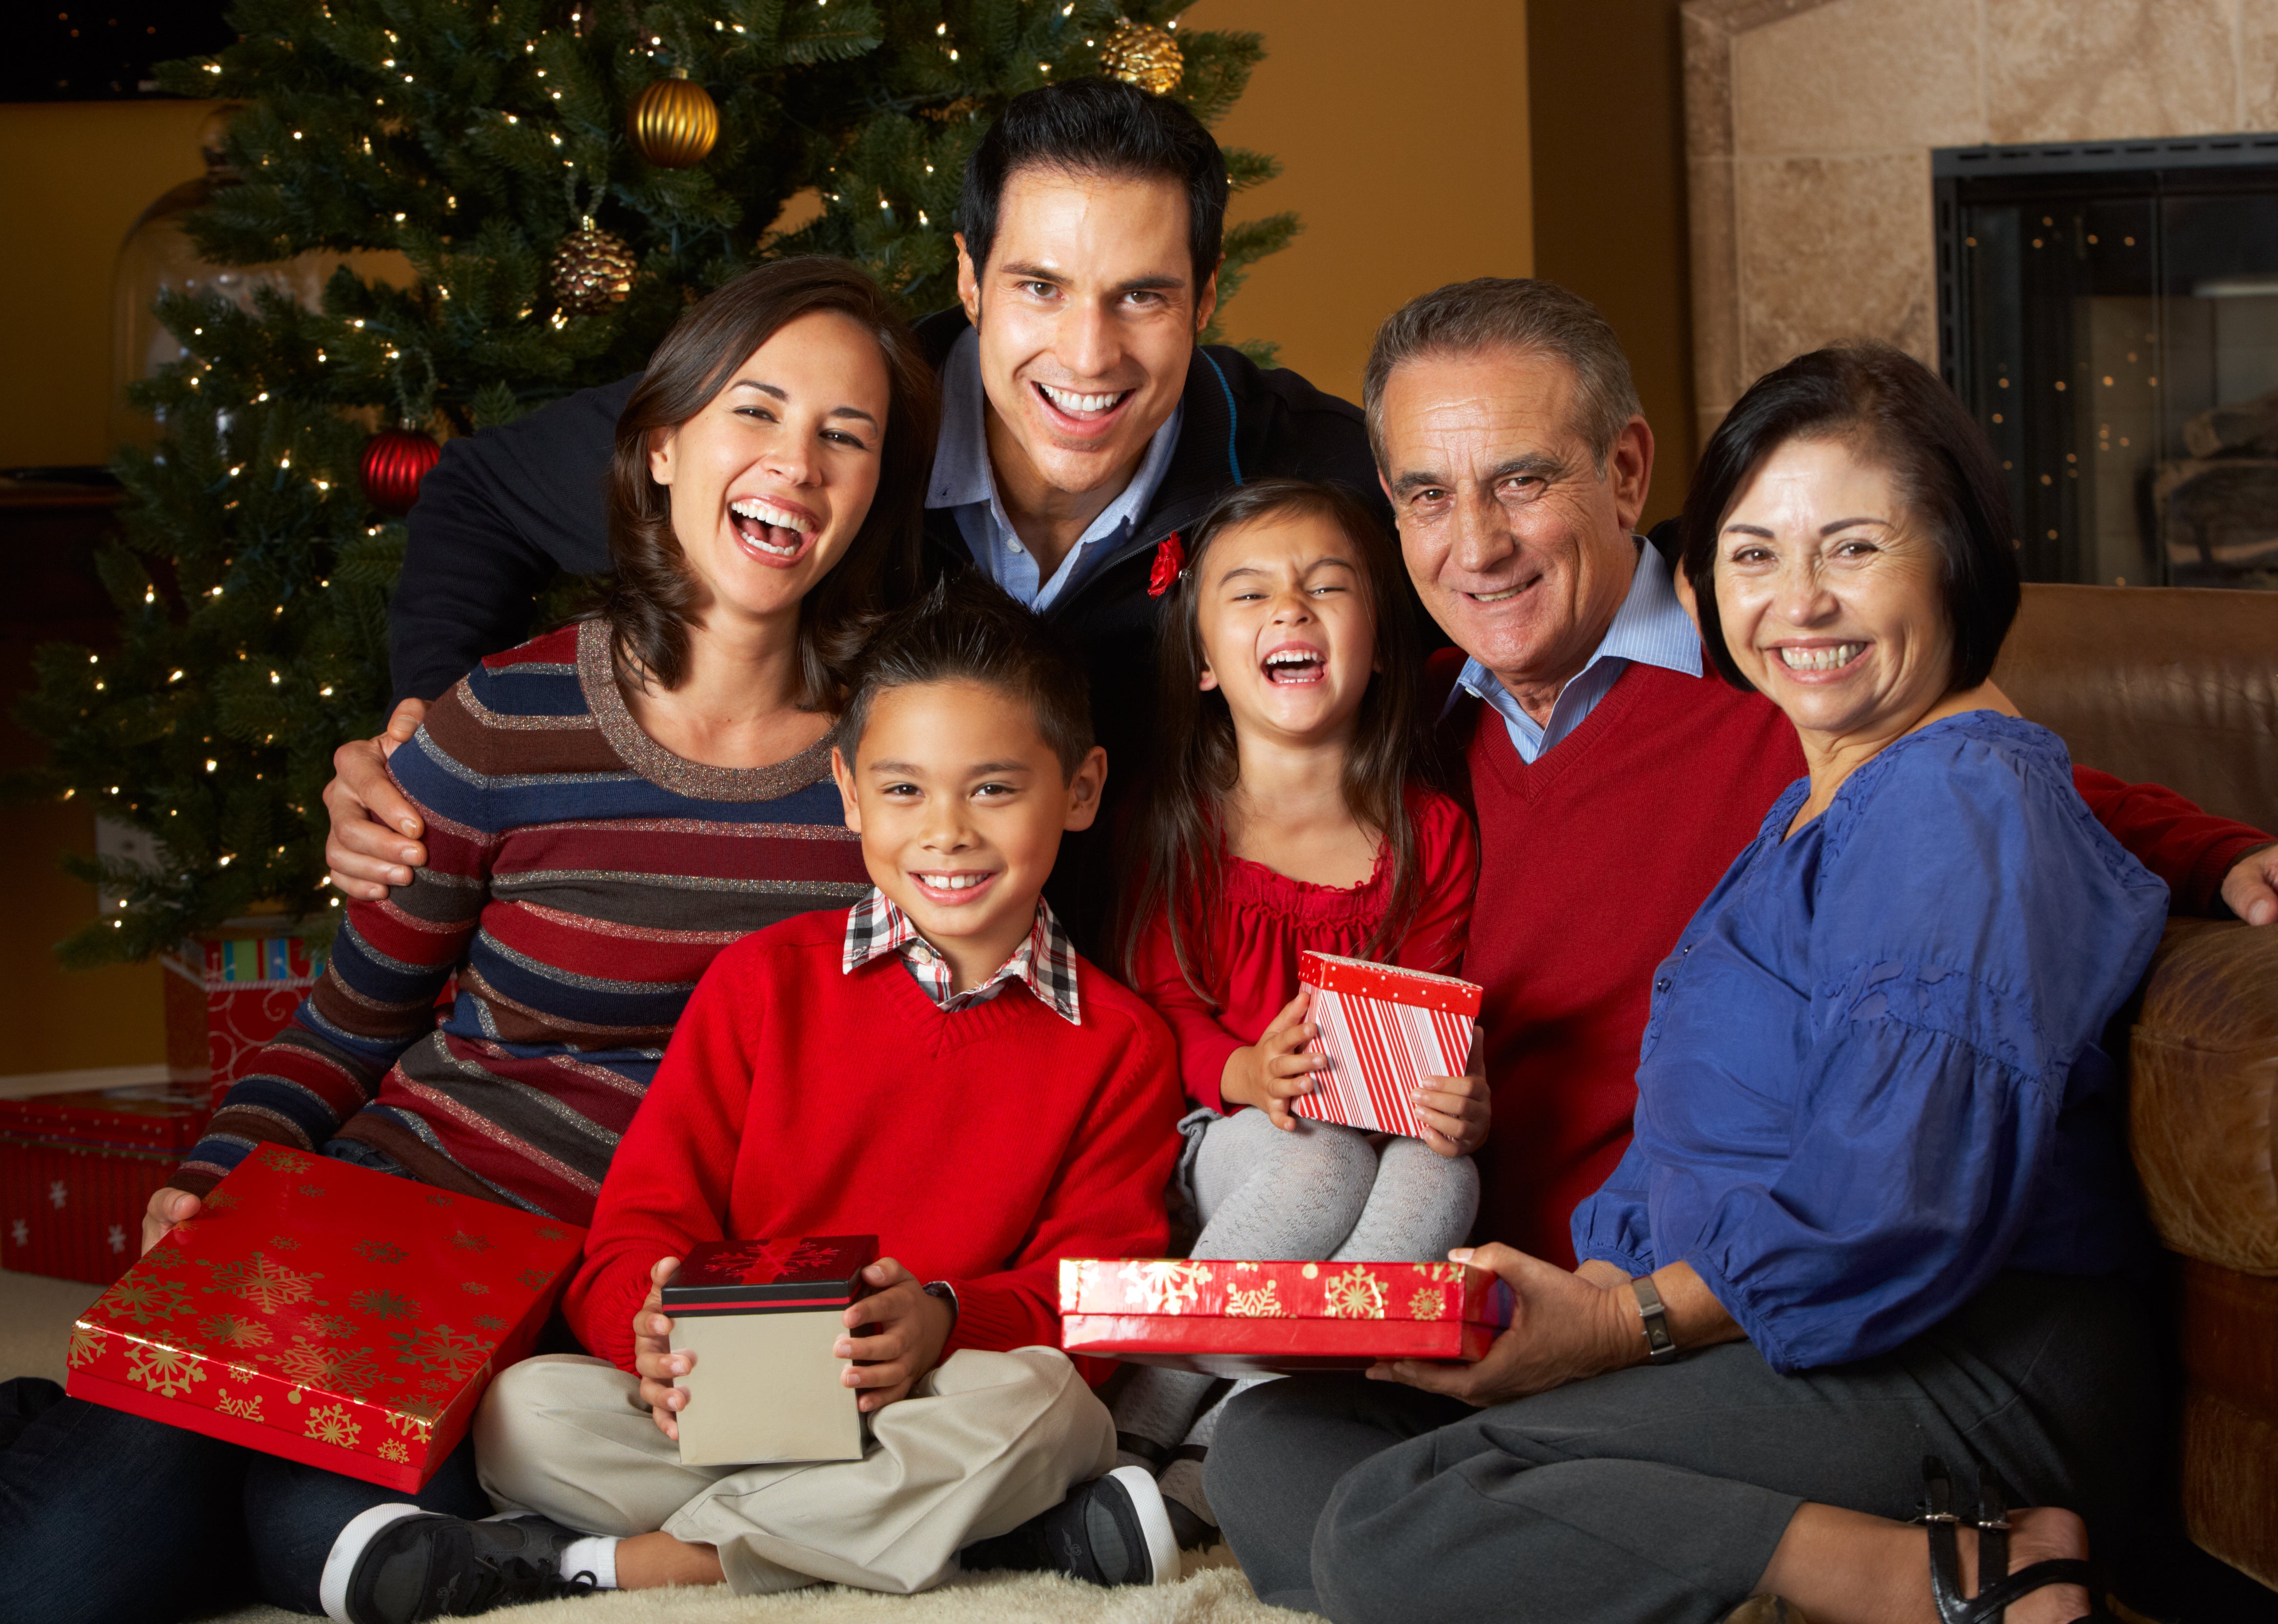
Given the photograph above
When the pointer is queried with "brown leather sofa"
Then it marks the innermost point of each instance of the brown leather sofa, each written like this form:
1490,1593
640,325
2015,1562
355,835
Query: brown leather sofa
2181,687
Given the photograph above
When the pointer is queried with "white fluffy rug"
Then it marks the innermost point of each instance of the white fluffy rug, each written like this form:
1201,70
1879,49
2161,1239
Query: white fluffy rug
1212,1591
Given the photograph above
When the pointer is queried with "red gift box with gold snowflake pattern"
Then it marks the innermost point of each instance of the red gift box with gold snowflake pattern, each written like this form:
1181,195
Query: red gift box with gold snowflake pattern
1242,1318
325,1313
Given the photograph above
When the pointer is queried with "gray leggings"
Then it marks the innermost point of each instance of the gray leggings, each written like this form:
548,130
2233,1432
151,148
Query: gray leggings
1320,1191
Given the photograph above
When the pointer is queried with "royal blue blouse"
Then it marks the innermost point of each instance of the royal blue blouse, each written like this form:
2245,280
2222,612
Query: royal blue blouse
1870,1076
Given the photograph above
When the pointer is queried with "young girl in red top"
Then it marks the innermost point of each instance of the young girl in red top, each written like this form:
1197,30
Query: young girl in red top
1287,811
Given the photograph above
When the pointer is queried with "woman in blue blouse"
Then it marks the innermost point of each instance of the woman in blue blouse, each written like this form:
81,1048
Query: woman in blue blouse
1877,1206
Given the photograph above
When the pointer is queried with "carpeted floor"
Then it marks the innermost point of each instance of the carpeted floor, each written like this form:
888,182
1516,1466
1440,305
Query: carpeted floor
1209,1593
36,1319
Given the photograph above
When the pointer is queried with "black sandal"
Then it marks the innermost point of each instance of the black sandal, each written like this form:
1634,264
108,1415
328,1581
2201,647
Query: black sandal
1997,1587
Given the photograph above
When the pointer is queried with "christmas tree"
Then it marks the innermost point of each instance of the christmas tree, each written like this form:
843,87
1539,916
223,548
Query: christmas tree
564,177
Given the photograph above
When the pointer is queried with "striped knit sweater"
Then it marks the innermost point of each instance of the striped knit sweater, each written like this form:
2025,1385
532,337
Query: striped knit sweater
580,878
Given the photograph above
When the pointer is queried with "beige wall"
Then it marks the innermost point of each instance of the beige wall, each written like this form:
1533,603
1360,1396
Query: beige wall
1810,124
1607,117
1403,144
74,176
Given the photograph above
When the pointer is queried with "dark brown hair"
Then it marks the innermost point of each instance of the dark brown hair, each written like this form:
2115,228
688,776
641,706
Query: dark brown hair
969,630
1893,411
650,603
1178,837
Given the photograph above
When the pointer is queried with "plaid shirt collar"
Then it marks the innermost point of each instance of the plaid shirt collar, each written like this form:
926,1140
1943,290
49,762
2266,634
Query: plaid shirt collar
1044,962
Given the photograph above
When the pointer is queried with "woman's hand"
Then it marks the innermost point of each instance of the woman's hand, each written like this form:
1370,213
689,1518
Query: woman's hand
1274,1071
374,843
168,1207
1455,1110
908,1327
1563,1329
653,1360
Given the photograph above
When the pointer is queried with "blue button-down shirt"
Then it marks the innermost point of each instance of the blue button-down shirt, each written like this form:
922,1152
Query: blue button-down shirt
1651,627
964,483
1870,1079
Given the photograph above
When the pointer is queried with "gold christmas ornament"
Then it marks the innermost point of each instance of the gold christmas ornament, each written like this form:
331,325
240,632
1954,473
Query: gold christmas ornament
593,270
1141,54
673,123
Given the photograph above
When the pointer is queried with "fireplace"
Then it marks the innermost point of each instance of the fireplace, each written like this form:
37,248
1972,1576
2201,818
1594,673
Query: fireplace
2109,311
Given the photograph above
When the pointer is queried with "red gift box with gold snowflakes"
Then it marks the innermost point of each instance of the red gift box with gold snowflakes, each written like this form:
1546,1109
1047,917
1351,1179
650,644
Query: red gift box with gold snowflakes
1231,1318
325,1313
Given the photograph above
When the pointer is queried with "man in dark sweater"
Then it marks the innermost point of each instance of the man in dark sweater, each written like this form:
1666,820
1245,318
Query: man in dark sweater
1082,427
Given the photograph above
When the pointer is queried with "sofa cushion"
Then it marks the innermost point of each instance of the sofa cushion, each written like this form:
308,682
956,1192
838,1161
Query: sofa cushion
2202,1094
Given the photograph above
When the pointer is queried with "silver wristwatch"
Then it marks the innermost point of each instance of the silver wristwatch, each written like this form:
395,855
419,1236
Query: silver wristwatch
1660,1346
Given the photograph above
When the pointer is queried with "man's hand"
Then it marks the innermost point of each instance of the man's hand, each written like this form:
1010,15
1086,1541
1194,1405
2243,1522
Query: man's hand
168,1207
653,1360
1274,1071
1455,1110
2251,888
907,1330
374,842
1562,1328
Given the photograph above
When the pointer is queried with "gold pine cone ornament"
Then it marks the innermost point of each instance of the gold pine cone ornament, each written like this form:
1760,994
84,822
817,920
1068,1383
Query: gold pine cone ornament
592,270
1141,54
673,123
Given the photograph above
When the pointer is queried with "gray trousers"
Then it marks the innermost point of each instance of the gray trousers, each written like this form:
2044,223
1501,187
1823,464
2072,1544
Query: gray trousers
1661,1493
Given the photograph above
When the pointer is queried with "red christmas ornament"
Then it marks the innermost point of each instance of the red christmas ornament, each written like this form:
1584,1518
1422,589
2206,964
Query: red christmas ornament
1170,558
395,462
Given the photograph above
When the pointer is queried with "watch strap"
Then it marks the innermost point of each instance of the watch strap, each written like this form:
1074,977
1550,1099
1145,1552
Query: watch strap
1660,1346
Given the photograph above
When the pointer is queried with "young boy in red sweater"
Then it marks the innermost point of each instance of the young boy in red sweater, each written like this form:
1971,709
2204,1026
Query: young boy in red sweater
934,1065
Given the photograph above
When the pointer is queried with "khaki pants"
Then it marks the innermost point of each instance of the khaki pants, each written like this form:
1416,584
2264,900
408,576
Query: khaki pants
983,1444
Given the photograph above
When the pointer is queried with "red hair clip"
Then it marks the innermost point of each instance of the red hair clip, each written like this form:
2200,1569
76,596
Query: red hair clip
1170,558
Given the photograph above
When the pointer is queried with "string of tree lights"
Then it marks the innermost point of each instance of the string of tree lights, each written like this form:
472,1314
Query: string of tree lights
563,179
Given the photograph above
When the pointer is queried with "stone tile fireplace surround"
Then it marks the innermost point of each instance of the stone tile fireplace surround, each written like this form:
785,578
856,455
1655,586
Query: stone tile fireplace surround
1809,125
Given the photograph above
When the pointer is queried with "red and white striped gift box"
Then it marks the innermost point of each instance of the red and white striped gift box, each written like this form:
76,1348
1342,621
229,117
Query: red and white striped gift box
1384,1030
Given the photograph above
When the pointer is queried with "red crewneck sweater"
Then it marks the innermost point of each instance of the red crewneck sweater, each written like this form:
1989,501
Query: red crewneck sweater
1592,860
979,1146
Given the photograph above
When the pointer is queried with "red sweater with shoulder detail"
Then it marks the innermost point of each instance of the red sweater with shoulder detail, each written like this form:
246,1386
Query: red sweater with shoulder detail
980,1146
1593,858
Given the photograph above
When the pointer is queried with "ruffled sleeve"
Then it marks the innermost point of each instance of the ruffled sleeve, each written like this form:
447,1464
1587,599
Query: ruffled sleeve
1204,1044
1971,931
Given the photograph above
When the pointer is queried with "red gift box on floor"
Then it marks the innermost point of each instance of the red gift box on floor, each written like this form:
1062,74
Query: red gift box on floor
1245,1318
228,995
1384,1030
77,1170
331,1314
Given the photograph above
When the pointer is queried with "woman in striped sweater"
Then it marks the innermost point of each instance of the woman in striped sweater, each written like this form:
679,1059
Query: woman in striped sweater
608,806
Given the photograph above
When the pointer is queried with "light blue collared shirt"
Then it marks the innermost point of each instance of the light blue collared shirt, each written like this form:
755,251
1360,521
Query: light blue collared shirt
964,483
1651,627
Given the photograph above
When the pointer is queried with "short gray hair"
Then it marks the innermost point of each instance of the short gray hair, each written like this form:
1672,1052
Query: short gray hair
1518,313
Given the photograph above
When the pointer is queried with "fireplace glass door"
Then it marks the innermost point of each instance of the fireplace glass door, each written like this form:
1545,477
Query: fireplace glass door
2111,317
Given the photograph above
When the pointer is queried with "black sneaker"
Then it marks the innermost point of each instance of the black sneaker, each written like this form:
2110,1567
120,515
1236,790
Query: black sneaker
429,1566
1112,1531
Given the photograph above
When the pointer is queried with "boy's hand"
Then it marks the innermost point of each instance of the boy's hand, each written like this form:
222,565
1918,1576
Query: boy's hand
653,1356
1455,1110
1274,1071
168,1207
908,1328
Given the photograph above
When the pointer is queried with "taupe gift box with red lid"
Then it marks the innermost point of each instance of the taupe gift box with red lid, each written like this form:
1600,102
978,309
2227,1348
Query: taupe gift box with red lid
763,1318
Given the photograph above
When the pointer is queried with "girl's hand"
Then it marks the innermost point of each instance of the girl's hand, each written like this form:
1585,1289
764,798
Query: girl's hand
908,1328
653,1360
1274,1071
1455,1110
